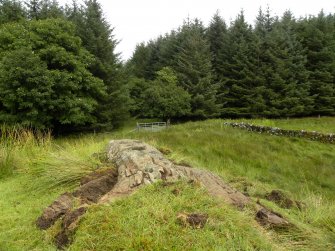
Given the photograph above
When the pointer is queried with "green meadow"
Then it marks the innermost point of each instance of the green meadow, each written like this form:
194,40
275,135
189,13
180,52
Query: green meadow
36,168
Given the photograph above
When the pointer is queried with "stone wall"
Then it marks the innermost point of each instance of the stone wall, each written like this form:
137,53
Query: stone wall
310,135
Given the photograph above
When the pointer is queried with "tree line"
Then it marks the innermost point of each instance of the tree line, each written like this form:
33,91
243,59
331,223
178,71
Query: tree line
59,68
278,67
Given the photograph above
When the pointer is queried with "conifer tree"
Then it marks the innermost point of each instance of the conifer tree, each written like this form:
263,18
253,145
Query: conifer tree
294,97
98,39
11,11
139,64
43,9
218,41
193,66
318,38
242,90
50,9
268,63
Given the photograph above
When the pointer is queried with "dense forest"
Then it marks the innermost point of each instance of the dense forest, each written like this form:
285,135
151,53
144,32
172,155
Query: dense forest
59,68
279,67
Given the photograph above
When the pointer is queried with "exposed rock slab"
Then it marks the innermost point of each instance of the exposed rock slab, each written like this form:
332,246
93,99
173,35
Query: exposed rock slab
138,164
141,164
215,186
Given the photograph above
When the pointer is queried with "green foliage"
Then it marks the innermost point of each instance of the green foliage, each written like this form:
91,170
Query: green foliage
241,90
317,35
187,52
97,37
11,11
280,67
294,95
44,78
159,98
218,41
139,65
163,98
193,67
44,9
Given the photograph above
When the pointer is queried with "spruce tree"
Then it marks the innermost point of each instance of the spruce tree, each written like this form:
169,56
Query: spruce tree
43,9
317,35
218,41
11,11
269,63
98,39
241,90
50,9
34,9
193,66
294,97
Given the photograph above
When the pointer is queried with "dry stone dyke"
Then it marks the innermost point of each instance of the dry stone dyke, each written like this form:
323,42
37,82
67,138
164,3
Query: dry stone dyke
310,135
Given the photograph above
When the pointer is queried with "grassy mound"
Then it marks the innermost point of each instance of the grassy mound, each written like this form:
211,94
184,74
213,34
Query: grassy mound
37,171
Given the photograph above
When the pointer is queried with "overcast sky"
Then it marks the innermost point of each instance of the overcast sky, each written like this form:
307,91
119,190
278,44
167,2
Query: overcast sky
136,21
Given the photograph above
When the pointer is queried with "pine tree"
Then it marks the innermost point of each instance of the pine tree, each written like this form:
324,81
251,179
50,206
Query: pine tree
269,63
98,39
193,66
218,41
11,11
139,65
34,8
241,90
50,9
294,95
43,9
317,35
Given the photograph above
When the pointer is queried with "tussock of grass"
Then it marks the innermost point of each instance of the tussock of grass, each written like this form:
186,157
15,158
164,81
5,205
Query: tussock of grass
148,221
16,146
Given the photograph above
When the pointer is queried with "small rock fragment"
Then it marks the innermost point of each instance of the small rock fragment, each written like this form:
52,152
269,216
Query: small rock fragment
271,219
195,220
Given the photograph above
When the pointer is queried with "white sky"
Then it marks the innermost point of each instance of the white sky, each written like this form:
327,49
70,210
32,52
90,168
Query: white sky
136,21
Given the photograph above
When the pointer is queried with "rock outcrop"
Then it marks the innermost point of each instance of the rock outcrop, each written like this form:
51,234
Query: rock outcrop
138,164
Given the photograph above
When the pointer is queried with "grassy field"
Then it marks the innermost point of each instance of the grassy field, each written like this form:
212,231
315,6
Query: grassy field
34,171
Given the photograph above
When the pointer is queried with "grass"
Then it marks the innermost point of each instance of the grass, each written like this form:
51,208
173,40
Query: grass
147,221
40,170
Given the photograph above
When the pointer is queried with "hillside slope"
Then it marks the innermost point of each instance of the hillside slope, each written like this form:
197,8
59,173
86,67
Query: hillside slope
254,164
